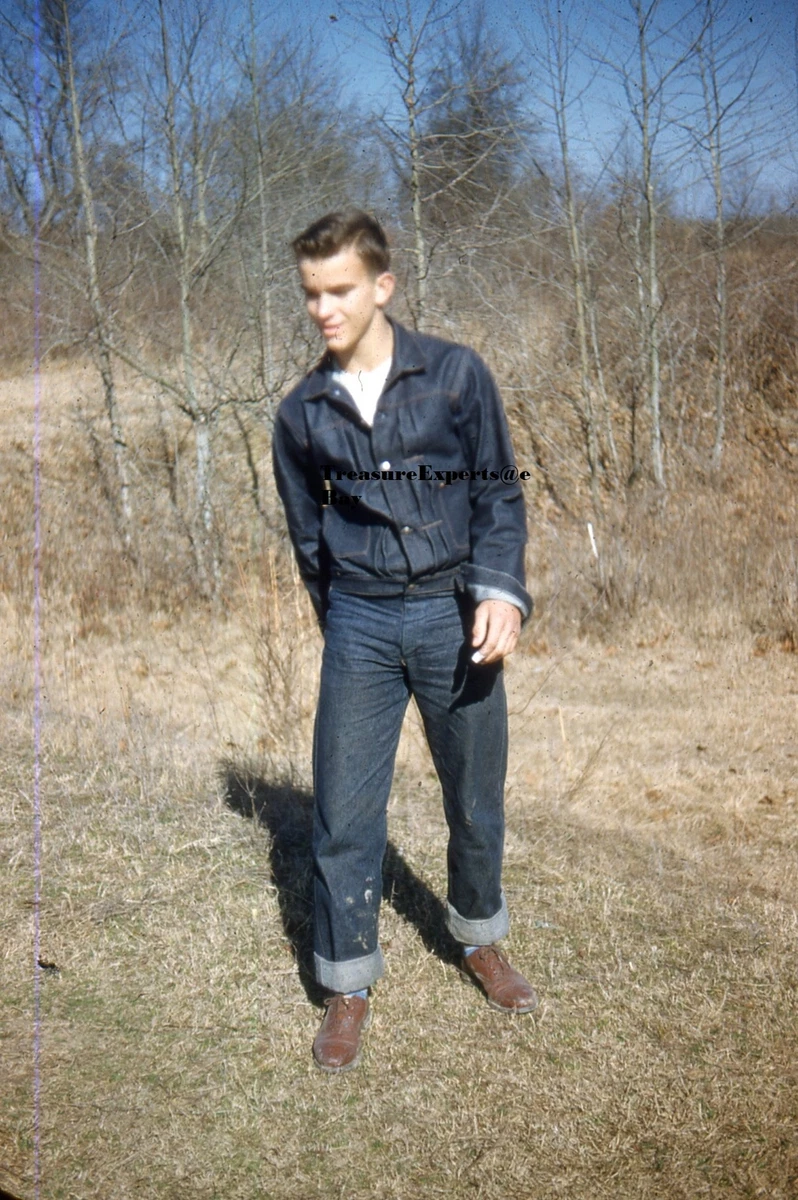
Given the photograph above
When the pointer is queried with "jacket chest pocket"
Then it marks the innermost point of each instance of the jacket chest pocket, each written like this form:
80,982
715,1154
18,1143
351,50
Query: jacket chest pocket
427,432
339,441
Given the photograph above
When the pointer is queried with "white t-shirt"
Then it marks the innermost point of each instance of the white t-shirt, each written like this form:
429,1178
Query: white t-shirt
365,387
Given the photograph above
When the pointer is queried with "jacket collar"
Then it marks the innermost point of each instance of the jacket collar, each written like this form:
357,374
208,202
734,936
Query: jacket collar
408,358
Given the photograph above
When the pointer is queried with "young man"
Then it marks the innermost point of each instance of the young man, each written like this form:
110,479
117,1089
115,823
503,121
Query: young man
394,464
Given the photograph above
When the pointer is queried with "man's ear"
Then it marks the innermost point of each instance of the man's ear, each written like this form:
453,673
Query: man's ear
384,285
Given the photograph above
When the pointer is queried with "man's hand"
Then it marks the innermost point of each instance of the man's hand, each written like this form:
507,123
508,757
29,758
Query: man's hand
496,627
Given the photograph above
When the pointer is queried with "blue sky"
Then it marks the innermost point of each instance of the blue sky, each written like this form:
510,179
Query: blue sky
364,76
355,62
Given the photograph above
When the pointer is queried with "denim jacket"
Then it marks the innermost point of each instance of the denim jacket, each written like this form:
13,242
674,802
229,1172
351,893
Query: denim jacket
415,498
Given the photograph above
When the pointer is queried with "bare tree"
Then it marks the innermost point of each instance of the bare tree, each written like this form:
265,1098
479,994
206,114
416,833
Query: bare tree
76,75
411,39
553,58
187,89
33,132
191,225
290,157
648,74
642,111
727,69
455,134
476,134
58,26
406,39
241,143
262,292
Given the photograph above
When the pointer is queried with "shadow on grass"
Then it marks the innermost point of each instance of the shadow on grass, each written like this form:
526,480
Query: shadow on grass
287,813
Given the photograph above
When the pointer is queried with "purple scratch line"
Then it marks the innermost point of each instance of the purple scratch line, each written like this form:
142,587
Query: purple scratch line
37,663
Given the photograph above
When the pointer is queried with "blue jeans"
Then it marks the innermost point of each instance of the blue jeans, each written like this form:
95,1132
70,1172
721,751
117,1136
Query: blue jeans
378,652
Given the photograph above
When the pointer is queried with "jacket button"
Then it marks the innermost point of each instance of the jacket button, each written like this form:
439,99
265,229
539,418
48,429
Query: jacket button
406,529
385,466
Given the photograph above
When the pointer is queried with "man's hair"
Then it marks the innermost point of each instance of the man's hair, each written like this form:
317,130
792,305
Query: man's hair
338,230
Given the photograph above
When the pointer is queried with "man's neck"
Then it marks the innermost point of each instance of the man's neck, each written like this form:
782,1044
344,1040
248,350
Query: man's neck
373,348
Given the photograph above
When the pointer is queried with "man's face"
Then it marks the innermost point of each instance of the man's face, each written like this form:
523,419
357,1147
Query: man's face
343,297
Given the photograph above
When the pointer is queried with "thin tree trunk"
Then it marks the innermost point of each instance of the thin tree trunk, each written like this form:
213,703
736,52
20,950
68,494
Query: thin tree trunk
652,275
99,316
712,108
634,444
419,241
722,313
587,415
264,314
205,554
203,434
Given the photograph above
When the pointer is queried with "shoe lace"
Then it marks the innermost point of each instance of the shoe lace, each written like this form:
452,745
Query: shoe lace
339,998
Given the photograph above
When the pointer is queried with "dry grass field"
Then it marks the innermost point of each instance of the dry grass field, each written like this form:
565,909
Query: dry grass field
651,871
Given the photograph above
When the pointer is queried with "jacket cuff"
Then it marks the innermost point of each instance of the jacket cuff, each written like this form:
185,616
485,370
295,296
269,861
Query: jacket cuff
485,584
480,593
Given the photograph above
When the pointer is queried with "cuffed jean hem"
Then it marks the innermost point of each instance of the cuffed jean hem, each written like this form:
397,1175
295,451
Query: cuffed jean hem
478,933
352,975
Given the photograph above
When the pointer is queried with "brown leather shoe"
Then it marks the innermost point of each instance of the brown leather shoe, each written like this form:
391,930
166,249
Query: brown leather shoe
337,1044
505,988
